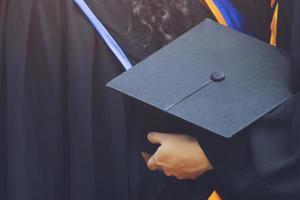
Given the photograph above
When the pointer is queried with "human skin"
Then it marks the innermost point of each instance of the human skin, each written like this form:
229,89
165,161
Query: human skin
178,155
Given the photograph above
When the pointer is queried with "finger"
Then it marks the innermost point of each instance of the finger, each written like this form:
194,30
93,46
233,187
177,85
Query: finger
146,156
168,173
152,165
155,138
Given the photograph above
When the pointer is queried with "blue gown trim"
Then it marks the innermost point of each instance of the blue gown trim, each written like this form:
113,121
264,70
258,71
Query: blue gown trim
234,18
106,36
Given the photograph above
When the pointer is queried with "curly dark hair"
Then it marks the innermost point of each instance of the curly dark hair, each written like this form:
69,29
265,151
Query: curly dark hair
161,17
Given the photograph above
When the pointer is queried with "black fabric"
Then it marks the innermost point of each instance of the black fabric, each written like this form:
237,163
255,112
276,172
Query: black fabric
263,162
60,143
295,49
259,14
285,20
63,135
2,106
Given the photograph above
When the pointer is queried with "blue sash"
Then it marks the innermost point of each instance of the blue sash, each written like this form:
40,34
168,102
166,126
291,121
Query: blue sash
234,18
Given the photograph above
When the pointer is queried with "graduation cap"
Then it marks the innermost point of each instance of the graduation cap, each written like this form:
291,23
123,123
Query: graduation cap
212,77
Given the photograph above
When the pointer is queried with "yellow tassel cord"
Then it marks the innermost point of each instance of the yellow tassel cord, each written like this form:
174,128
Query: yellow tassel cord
216,12
274,24
214,196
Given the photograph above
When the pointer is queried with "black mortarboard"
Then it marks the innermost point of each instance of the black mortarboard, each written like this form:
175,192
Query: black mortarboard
213,77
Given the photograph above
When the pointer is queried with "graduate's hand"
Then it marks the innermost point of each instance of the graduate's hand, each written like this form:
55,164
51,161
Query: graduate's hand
179,155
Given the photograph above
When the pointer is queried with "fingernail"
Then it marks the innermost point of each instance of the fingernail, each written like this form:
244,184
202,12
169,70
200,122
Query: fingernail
149,134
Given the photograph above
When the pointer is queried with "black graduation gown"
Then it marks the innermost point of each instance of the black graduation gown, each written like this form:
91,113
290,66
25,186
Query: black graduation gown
63,134
263,161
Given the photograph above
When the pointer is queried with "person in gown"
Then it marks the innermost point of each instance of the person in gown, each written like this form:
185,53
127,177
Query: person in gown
261,162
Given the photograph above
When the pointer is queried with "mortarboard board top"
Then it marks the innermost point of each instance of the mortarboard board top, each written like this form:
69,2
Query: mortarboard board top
213,77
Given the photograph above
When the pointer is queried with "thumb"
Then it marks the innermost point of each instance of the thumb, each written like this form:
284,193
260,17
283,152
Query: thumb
152,165
156,138
146,156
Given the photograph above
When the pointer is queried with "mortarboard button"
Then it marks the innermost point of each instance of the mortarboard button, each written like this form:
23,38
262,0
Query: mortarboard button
217,76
